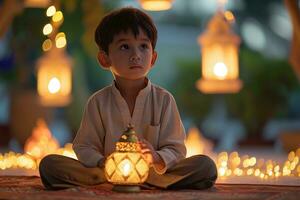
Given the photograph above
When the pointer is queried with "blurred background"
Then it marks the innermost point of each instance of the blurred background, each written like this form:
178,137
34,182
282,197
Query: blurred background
265,112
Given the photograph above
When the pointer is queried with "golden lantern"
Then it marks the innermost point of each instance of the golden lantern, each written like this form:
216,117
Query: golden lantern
37,3
126,167
41,142
156,5
54,76
220,45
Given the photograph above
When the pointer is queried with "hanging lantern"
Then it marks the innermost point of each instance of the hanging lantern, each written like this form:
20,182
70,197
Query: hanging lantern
54,76
220,70
156,5
36,3
126,167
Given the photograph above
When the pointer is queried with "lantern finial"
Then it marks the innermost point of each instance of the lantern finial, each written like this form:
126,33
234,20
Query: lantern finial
128,141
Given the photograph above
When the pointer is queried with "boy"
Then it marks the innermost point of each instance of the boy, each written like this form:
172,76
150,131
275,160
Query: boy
126,39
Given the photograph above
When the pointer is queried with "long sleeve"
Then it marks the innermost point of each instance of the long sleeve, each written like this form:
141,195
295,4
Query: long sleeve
88,143
172,135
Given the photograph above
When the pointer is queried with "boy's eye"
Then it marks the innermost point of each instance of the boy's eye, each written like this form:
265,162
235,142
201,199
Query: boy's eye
145,46
124,46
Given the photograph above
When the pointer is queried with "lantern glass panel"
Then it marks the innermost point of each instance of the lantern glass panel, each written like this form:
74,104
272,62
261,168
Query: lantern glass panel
142,167
110,168
118,157
134,177
117,177
134,157
226,54
126,167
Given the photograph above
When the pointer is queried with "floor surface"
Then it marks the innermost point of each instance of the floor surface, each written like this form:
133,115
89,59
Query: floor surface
30,187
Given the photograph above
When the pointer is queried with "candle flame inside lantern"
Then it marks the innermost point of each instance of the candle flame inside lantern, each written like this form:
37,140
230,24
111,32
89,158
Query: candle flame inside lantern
126,167
220,70
54,85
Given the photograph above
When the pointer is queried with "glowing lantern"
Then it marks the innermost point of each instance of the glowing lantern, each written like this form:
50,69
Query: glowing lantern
196,144
156,5
54,78
126,167
220,70
41,142
37,3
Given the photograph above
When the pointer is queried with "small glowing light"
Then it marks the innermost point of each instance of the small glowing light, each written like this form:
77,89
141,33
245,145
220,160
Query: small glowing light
222,171
228,172
60,40
126,167
47,45
246,163
287,164
252,161
291,156
234,154
236,161
223,156
156,5
250,171
51,11
223,163
276,168
270,173
238,172
54,85
293,165
220,70
47,29
286,171
296,160
229,16
257,172
57,17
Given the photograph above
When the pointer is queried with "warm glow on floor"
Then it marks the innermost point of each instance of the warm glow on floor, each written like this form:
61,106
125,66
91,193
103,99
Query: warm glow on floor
230,165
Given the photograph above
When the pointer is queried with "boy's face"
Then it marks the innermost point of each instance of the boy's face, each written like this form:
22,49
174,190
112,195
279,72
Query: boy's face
129,57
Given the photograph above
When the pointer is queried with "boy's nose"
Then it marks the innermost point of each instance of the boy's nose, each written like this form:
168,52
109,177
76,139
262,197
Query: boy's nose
135,56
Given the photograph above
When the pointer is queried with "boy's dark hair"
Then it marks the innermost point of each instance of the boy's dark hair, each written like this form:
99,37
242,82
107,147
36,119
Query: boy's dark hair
124,19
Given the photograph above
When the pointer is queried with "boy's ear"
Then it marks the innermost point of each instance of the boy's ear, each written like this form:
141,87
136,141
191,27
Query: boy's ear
154,57
103,59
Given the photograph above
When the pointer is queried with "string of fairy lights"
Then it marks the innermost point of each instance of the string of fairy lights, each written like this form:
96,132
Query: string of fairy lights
231,164
50,30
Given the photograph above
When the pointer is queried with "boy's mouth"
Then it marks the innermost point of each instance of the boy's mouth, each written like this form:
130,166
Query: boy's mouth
136,67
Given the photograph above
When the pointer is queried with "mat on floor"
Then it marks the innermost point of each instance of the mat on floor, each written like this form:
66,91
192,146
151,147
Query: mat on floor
30,187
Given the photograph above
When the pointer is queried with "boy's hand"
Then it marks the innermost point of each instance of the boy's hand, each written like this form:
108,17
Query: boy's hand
151,156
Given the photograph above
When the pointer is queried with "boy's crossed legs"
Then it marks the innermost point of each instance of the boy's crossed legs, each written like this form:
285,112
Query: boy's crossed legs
196,172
